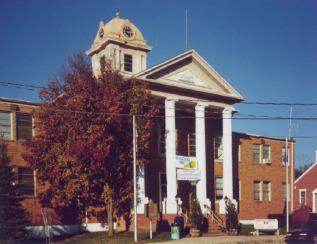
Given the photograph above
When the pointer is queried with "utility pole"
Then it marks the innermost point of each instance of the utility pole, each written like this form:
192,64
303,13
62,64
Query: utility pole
186,30
287,160
134,182
286,185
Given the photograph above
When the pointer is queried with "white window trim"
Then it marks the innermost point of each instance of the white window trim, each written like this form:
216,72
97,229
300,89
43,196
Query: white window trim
132,65
11,117
300,191
261,152
314,199
35,186
240,189
270,190
260,191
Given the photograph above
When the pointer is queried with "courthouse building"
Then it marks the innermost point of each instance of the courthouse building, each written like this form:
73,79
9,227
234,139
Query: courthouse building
194,150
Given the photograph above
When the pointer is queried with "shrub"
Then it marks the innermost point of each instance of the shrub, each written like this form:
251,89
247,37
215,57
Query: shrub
232,222
195,216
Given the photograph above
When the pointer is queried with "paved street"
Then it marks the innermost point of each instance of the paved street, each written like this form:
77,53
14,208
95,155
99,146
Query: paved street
237,239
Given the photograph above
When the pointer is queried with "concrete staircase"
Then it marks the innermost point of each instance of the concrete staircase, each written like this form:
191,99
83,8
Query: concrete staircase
216,226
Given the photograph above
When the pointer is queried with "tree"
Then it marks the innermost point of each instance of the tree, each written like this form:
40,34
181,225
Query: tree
84,145
195,215
13,218
232,222
299,171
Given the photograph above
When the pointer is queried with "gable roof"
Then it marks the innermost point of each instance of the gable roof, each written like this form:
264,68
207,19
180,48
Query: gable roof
190,71
309,169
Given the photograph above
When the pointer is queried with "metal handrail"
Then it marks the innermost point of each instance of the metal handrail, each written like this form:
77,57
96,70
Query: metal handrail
215,218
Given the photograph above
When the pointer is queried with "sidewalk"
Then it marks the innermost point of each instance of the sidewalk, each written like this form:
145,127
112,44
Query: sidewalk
232,239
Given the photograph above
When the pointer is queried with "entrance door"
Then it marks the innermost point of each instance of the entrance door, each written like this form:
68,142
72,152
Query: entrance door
185,190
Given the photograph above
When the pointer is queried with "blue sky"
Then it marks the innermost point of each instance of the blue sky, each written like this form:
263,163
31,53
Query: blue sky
267,49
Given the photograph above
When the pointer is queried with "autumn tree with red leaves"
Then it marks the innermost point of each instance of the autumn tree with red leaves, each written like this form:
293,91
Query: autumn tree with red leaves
83,148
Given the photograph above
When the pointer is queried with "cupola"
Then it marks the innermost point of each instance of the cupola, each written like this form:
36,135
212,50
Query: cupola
122,44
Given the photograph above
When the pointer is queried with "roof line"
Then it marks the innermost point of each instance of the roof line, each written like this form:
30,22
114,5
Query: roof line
10,100
307,170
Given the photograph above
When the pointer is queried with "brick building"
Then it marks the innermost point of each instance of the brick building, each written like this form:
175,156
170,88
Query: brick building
305,188
194,150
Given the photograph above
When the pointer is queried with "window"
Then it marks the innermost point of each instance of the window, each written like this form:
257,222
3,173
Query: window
261,154
191,138
26,181
284,156
302,196
128,61
24,126
266,191
162,189
266,157
256,153
218,148
257,190
5,125
161,137
219,187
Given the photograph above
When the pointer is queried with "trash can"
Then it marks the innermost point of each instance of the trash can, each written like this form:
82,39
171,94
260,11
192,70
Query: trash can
174,231
180,221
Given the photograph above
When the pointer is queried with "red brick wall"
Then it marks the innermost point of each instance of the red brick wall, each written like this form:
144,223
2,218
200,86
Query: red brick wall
308,181
248,172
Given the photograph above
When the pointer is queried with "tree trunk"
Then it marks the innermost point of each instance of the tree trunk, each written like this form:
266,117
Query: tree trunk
109,214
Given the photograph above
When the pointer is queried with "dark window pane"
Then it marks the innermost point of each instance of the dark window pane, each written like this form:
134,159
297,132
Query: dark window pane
24,126
128,62
26,181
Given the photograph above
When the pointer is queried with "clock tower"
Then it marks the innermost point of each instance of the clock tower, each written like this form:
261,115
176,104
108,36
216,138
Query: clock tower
120,43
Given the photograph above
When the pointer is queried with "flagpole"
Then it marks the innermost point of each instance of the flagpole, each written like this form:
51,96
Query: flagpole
134,182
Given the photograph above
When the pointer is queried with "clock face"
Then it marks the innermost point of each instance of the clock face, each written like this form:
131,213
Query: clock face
127,32
101,33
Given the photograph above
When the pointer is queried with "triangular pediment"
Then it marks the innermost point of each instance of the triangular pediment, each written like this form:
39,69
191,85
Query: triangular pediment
190,71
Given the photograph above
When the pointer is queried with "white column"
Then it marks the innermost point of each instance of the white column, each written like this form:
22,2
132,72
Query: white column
141,199
201,186
227,158
171,205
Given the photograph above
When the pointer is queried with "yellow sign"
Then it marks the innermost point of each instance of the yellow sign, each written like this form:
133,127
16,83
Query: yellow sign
183,162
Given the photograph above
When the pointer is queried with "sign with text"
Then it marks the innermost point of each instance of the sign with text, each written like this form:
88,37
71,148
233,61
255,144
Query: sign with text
188,174
183,162
266,224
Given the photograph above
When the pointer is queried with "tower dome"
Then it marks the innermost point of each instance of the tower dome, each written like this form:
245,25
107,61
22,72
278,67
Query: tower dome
121,42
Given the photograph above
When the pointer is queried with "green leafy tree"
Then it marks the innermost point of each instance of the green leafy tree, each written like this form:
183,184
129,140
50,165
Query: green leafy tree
13,218
232,222
84,146
195,215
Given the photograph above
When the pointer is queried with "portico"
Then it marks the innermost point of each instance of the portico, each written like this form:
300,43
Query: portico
200,148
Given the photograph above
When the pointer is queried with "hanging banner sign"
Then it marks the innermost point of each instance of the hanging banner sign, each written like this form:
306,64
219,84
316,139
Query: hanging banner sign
188,174
184,162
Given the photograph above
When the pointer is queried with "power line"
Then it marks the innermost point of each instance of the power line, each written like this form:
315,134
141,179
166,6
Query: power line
279,103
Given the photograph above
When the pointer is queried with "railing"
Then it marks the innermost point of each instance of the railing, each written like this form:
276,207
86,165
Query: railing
215,218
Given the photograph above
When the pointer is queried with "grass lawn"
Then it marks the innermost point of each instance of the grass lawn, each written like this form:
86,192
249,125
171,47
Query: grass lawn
102,237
